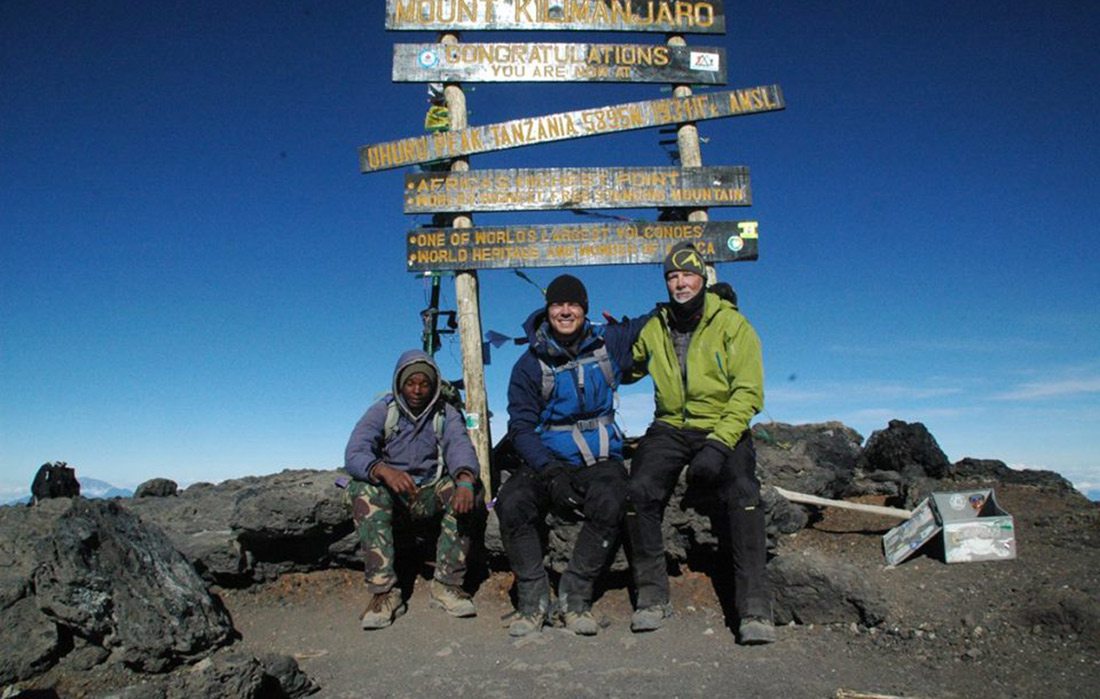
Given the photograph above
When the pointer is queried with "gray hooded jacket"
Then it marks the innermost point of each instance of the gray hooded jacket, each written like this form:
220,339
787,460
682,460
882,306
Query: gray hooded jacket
413,446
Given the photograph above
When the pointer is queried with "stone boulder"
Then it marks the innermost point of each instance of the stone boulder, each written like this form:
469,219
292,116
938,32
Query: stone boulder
234,675
157,488
227,674
811,588
245,530
816,459
197,522
994,471
288,522
902,461
87,578
30,641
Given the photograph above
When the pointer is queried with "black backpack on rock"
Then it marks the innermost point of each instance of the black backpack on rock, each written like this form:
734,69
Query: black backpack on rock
54,480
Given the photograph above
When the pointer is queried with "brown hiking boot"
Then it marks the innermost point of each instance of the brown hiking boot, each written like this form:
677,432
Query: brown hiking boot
756,631
384,607
524,624
452,599
581,623
650,618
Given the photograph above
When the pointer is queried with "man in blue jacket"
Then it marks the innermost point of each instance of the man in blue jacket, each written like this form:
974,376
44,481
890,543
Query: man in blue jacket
561,419
411,458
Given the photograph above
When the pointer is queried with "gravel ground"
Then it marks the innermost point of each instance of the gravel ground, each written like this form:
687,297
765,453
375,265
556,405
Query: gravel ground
1028,627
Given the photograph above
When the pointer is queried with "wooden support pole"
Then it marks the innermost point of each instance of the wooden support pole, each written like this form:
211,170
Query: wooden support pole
691,153
468,311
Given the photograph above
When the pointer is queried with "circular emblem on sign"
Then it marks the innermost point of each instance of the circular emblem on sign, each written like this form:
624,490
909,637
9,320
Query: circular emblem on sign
735,243
958,501
428,58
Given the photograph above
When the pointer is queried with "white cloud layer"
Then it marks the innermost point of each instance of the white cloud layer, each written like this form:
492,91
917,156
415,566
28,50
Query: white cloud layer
1052,389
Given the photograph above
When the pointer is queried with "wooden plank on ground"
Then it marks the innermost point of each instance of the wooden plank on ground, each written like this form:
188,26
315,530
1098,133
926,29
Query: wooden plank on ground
544,189
569,245
633,63
675,16
568,125
807,499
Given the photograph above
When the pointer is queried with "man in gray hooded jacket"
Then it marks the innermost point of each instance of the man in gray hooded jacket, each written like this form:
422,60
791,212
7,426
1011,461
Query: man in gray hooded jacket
411,459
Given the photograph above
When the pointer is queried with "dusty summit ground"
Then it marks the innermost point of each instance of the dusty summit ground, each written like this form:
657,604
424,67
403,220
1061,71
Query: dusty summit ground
1023,628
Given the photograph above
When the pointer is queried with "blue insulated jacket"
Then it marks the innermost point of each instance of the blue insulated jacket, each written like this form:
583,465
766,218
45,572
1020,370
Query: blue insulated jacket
413,446
541,426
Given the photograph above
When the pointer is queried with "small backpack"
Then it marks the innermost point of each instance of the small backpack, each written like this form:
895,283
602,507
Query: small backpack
54,480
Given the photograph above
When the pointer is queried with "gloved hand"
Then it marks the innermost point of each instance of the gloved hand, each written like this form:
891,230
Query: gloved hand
560,484
706,467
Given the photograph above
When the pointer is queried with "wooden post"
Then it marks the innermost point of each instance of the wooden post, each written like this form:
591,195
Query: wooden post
468,311
691,154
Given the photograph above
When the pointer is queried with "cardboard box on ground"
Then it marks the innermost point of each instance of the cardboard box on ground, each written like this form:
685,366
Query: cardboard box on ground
974,528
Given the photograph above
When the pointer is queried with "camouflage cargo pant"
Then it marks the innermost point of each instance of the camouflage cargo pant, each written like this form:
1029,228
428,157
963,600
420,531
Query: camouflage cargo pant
375,510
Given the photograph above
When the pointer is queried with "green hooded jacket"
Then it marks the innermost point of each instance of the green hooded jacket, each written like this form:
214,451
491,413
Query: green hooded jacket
724,387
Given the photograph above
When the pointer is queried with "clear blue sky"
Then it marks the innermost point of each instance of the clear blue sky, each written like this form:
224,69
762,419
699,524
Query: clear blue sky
197,283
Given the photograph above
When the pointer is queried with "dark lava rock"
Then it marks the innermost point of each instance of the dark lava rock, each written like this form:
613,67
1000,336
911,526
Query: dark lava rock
816,459
811,588
907,448
104,576
157,488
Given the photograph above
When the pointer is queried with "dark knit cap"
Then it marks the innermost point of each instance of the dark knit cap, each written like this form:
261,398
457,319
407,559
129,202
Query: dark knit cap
567,289
418,367
683,257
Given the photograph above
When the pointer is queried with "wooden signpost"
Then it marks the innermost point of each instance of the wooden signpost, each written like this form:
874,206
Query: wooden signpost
568,245
633,63
455,244
543,189
567,125
663,16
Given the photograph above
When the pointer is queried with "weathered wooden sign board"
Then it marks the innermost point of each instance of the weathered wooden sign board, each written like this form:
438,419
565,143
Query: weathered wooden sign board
544,189
676,16
567,125
567,245
635,63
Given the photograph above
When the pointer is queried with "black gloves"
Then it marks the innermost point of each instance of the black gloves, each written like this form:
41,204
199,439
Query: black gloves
706,467
560,485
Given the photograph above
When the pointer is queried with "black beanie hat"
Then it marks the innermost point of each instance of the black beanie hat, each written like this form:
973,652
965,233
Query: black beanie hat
683,257
567,288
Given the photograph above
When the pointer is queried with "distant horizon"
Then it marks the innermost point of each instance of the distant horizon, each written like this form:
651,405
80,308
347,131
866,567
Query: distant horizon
1090,490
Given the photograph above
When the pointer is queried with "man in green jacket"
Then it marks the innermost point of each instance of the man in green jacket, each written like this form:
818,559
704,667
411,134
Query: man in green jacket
708,379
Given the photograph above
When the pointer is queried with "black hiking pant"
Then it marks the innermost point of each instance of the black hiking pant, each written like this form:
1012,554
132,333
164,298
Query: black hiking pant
655,469
522,505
